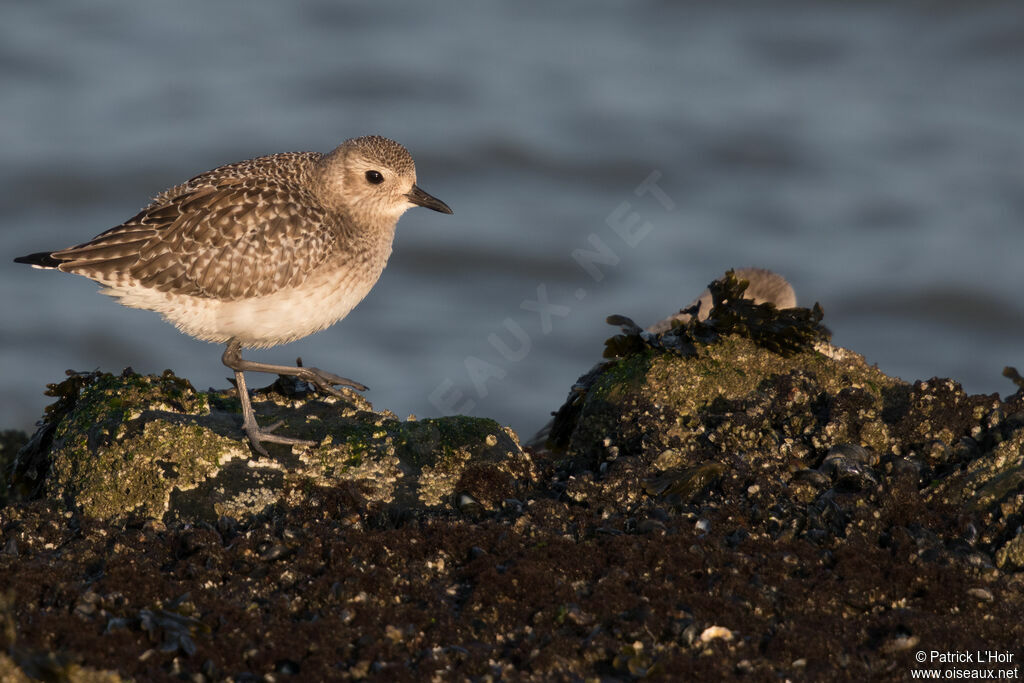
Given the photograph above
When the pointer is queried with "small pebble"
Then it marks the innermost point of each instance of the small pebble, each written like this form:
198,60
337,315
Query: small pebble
900,643
650,526
713,632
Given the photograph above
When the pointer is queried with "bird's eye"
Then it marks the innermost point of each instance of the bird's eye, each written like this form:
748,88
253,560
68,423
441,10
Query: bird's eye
374,177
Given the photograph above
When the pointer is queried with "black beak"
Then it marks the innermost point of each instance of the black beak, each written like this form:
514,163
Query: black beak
421,198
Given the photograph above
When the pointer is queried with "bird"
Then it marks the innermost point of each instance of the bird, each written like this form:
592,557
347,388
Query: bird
764,286
259,253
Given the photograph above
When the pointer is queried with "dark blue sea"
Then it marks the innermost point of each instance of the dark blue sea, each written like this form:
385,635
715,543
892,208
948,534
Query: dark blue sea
872,153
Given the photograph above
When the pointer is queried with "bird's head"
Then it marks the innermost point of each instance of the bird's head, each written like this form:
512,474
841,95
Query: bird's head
373,178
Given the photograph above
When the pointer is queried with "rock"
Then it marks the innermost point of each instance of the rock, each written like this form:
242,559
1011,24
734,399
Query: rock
755,399
982,594
714,632
149,446
723,398
732,496
50,667
11,441
1011,555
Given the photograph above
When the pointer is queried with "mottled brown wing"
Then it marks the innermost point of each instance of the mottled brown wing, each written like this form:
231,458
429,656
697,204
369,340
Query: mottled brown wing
286,168
235,240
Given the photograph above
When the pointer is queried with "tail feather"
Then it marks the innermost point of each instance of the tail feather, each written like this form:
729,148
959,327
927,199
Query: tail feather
97,251
42,259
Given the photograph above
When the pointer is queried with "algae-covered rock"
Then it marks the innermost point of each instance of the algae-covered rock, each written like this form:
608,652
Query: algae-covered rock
11,441
755,412
1011,556
724,397
48,667
421,463
729,496
152,446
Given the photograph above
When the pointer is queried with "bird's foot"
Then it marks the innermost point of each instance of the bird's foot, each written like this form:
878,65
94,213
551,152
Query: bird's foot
257,435
326,381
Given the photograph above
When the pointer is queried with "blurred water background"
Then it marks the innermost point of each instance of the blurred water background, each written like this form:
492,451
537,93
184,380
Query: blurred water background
871,153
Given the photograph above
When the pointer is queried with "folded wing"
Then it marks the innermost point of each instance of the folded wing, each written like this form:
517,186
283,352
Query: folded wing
237,239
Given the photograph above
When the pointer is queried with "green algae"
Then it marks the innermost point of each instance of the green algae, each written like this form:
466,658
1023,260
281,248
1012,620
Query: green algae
122,447
151,446
657,397
687,483
681,373
416,463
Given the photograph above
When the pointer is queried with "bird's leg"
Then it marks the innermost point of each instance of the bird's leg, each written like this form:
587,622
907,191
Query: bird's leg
323,380
252,430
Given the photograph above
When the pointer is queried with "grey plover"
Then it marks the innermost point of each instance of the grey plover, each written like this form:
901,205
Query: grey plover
765,287
259,253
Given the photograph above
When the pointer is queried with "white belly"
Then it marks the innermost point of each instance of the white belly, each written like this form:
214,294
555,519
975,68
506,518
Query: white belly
258,322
